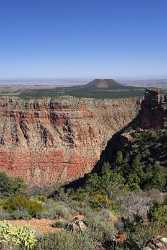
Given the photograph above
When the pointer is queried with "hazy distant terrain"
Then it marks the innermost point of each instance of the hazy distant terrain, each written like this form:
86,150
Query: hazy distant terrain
159,83
97,88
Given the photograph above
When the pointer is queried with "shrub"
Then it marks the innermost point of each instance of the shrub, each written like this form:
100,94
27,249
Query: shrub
135,203
10,186
106,215
133,182
17,214
20,214
66,241
139,234
92,182
59,224
99,228
55,210
158,213
21,236
4,215
111,181
81,194
22,203
119,158
158,178
98,200
61,211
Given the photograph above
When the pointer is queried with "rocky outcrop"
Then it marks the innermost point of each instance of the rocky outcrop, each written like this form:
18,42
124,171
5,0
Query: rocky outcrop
51,141
156,243
153,112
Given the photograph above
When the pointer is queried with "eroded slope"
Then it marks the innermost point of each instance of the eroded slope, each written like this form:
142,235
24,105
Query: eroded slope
51,141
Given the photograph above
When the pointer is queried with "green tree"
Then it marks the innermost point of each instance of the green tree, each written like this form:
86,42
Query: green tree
136,167
93,182
158,178
119,158
111,181
133,182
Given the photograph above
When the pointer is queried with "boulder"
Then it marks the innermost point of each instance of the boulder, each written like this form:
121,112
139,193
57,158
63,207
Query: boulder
156,243
76,226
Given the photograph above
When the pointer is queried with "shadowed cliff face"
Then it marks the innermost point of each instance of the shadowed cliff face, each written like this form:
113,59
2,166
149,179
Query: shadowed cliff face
55,141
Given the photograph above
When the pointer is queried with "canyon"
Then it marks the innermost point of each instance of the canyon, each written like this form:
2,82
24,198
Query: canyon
51,141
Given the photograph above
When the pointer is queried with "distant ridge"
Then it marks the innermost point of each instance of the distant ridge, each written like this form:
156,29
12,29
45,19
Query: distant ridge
104,84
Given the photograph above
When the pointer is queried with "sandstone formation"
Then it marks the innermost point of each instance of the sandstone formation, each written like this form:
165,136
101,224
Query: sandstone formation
50,141
153,113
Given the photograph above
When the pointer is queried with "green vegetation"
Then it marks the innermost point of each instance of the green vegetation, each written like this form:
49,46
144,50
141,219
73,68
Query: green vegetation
66,241
9,185
22,203
139,233
127,194
142,162
12,236
158,213
99,88
82,93
101,206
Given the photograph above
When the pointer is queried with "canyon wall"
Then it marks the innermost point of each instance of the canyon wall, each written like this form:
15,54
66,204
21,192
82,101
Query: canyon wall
50,141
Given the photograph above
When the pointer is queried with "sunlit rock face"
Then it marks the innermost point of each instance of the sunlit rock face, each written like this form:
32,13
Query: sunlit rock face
49,141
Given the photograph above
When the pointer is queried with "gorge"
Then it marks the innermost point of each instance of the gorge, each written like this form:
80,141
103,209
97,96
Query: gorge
53,141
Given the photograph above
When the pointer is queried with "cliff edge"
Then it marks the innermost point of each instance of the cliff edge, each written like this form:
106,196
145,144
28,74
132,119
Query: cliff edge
50,141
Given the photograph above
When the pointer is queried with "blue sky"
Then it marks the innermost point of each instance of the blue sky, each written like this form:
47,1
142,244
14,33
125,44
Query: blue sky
87,39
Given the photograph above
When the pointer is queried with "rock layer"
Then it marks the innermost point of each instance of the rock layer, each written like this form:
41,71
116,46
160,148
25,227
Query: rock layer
50,141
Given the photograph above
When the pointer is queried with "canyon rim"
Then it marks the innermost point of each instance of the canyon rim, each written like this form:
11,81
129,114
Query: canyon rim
53,141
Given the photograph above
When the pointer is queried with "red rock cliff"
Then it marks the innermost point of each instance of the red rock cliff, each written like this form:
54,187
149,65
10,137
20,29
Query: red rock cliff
54,141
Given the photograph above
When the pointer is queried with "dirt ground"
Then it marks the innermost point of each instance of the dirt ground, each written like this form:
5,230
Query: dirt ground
41,226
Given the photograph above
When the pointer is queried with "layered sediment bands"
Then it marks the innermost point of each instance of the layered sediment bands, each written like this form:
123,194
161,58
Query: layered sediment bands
50,141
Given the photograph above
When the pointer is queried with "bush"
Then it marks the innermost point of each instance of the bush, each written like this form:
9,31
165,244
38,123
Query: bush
158,213
17,214
10,186
4,215
20,214
133,182
98,200
59,224
23,203
136,203
139,234
99,228
55,210
106,215
61,211
66,241
21,236
158,178
81,194
92,183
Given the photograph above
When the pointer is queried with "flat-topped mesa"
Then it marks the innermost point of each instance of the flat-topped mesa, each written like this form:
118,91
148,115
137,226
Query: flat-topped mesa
153,110
48,141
